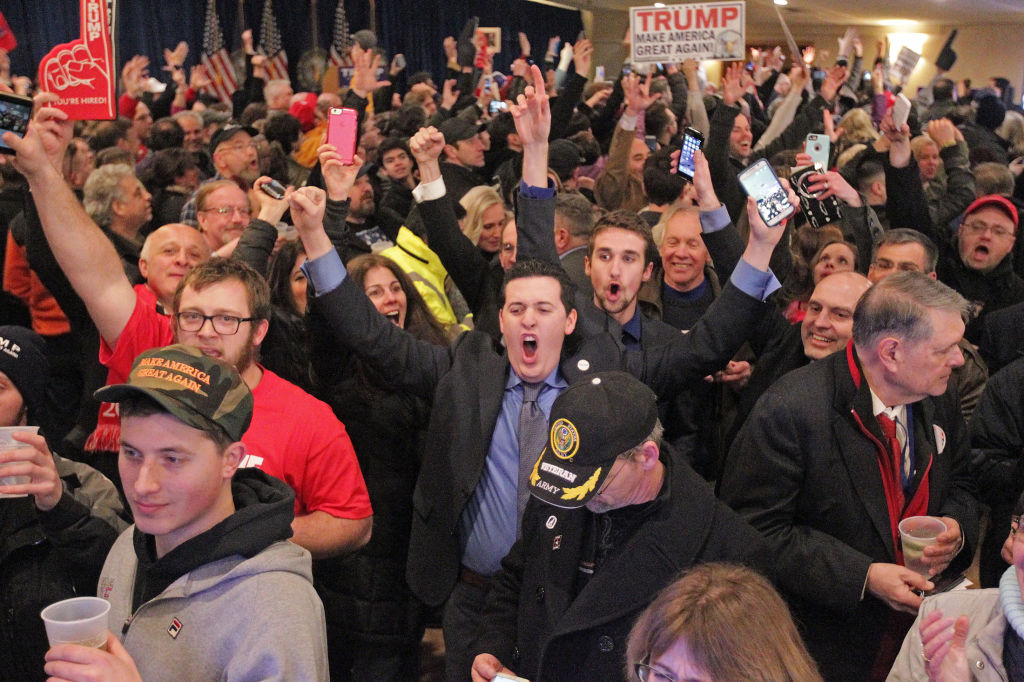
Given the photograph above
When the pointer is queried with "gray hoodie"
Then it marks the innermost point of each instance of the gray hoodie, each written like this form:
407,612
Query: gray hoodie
245,608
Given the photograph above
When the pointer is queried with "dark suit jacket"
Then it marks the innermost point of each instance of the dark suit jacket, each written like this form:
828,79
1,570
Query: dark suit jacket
1001,340
539,624
804,471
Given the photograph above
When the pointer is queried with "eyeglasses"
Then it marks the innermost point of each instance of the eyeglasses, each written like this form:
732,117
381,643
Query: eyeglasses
1014,524
978,227
648,674
228,210
226,325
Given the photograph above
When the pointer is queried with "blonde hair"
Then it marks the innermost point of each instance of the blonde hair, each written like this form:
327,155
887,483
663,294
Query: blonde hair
476,202
857,128
734,623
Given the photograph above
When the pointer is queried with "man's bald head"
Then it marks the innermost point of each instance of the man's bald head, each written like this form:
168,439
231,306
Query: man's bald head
828,325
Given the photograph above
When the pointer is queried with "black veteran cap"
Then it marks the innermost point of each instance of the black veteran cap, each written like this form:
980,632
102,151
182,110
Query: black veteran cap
200,391
592,422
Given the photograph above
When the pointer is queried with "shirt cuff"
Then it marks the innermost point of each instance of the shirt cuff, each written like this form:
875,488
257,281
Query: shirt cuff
428,191
754,282
714,220
627,122
531,192
325,273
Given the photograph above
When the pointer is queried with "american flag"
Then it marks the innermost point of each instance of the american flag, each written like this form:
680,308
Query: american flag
215,57
270,44
342,41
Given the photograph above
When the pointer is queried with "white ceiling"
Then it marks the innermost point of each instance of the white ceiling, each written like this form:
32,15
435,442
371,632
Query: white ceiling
760,13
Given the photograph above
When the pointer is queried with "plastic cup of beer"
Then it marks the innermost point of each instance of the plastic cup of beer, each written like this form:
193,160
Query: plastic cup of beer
916,533
7,442
81,620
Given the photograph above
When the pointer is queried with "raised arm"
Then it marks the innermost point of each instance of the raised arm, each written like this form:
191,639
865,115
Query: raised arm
84,253
465,263
352,318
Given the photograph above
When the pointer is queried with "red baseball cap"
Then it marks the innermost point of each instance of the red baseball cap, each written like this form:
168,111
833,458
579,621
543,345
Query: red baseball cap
995,201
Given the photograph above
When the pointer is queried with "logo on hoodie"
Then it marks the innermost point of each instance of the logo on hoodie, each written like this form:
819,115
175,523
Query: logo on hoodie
174,629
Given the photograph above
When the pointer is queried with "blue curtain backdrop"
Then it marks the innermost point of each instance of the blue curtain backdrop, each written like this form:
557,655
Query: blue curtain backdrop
412,27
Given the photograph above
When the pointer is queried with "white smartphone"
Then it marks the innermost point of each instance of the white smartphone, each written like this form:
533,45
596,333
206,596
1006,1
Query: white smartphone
900,111
819,147
759,181
505,677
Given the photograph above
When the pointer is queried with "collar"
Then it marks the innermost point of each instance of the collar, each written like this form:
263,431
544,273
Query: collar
552,380
1010,598
634,326
895,412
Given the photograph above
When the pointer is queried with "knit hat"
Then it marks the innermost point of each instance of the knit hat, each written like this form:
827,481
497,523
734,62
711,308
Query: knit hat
200,391
991,112
592,422
23,360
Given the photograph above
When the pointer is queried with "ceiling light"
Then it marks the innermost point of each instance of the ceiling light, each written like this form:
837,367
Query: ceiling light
659,4
781,2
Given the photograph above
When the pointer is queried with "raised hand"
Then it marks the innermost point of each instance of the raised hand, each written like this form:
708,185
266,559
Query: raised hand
532,112
834,80
338,177
638,94
583,54
364,71
732,87
426,147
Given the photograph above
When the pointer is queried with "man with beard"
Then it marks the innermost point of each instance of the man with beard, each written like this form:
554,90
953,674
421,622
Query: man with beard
234,158
222,307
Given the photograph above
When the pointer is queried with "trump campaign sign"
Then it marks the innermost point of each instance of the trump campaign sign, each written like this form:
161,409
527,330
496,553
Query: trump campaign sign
82,72
704,30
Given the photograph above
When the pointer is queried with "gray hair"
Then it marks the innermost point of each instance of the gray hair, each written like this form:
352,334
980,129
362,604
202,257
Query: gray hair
188,113
275,87
903,235
899,305
102,189
577,211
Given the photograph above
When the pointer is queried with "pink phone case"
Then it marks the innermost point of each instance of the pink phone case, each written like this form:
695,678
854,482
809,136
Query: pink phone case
341,132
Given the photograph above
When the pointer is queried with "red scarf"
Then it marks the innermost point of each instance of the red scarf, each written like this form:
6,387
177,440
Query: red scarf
898,506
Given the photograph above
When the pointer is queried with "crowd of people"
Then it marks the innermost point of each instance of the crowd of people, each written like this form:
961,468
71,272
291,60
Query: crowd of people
505,370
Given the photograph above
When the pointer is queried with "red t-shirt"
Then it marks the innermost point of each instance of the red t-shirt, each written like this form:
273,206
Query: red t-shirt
293,436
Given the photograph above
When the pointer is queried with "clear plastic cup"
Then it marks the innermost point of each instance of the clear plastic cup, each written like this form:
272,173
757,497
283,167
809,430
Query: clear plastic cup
7,442
81,620
916,533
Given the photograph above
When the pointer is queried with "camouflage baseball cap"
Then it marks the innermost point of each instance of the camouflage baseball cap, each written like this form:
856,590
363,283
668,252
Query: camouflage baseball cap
200,391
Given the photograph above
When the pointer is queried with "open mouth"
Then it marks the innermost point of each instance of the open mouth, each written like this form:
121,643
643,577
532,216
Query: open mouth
614,288
394,316
529,346
822,339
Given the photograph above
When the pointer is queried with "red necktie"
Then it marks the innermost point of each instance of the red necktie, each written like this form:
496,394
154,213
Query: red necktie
893,443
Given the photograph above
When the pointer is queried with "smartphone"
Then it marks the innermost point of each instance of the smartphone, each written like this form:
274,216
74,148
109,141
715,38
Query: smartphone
15,113
506,677
582,35
819,147
341,132
273,189
900,110
692,141
652,142
399,61
759,181
497,106
818,212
